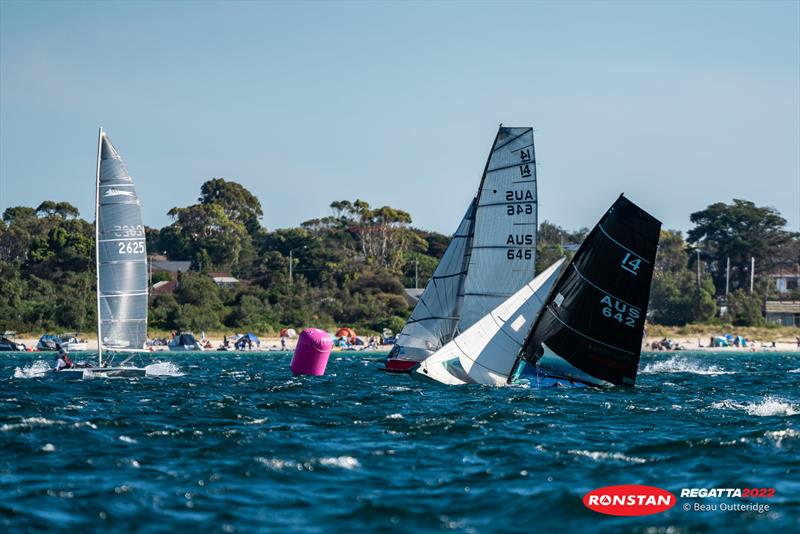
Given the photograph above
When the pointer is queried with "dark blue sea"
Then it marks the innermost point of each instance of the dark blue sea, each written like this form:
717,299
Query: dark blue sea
223,442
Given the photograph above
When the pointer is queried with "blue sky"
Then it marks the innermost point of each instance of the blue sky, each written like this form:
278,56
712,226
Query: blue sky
677,104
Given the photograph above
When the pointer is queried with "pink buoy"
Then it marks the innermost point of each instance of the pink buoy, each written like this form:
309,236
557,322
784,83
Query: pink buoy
312,352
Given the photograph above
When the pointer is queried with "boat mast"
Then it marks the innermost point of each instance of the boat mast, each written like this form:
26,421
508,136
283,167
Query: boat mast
97,244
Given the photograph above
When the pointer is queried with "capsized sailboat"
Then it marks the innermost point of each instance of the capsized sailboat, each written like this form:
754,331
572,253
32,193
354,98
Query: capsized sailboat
579,326
491,256
121,261
487,351
590,332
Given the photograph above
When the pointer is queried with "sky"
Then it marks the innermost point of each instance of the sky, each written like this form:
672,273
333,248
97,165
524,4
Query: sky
676,104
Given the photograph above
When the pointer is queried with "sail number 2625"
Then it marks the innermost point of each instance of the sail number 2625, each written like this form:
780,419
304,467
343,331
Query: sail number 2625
130,247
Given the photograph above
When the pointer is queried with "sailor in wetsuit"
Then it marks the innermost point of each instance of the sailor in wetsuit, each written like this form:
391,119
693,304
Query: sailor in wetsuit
62,360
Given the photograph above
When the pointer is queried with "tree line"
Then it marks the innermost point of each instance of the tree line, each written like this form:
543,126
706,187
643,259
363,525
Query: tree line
348,268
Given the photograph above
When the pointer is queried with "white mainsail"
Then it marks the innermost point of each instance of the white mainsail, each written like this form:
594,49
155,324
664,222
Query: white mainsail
503,255
486,352
121,256
491,256
436,315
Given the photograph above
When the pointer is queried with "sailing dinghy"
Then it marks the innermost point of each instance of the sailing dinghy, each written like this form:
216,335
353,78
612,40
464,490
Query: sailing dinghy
121,262
490,257
579,326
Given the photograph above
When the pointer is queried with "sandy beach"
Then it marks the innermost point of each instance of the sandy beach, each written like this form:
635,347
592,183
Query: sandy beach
693,343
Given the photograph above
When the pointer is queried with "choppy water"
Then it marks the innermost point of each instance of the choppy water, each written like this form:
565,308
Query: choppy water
232,442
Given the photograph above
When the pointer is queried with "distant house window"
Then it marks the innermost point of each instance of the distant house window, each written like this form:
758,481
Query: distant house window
791,284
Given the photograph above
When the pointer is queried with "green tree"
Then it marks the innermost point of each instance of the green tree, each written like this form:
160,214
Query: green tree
739,231
239,204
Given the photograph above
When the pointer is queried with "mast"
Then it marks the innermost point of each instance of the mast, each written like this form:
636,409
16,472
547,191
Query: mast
97,244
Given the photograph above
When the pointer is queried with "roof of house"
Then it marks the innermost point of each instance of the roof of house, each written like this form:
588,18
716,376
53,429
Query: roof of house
225,280
164,287
782,306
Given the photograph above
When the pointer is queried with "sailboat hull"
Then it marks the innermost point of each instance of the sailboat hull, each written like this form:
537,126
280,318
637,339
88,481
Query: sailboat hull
99,372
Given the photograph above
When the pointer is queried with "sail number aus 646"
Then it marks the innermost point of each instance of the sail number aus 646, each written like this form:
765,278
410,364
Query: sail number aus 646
130,247
519,240
620,311
524,202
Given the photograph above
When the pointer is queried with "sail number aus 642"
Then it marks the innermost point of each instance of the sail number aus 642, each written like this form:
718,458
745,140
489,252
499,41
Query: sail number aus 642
130,247
620,311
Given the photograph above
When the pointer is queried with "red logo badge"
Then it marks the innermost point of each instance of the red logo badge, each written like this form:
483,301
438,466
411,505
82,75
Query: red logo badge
629,499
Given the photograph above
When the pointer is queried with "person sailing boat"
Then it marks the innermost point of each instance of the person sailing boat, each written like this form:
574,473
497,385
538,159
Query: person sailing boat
63,360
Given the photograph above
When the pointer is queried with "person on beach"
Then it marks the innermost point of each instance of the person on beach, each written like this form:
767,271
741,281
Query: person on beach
62,360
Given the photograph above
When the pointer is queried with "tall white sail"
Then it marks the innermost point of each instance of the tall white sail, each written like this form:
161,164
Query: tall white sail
120,254
434,319
486,352
503,254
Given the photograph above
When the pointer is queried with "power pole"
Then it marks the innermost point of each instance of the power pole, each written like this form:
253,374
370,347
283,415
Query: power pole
752,272
727,277
698,268
416,274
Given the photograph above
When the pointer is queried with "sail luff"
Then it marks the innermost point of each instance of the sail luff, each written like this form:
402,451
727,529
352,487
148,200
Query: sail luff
97,243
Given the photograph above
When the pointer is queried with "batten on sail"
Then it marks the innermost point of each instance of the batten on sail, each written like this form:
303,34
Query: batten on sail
486,352
595,318
121,255
503,255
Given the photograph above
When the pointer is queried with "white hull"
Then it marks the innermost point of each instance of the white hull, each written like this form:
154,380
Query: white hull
98,372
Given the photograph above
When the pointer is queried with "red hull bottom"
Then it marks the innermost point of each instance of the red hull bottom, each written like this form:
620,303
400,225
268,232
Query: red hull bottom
394,365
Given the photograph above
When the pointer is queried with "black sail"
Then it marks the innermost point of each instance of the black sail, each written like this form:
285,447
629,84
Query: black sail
595,315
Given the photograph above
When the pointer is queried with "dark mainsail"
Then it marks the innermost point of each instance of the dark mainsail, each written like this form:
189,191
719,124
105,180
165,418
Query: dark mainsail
595,315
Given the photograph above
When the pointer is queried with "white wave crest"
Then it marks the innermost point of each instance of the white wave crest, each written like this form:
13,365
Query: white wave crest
35,370
682,365
395,416
30,422
794,370
600,455
163,369
345,462
126,439
769,407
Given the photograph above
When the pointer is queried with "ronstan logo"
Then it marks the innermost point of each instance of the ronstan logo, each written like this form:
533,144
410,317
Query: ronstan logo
117,192
629,499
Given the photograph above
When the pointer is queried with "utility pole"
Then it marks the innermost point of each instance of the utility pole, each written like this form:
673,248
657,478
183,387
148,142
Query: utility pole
416,274
698,268
727,277
752,272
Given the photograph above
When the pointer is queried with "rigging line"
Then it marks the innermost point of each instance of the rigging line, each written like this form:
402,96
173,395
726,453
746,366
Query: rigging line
603,290
501,295
505,167
524,182
512,139
621,245
586,336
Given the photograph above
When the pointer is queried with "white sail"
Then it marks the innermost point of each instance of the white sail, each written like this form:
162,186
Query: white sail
434,319
503,254
120,255
486,352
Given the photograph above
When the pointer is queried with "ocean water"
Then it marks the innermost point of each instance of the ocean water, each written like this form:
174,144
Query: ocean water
222,442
